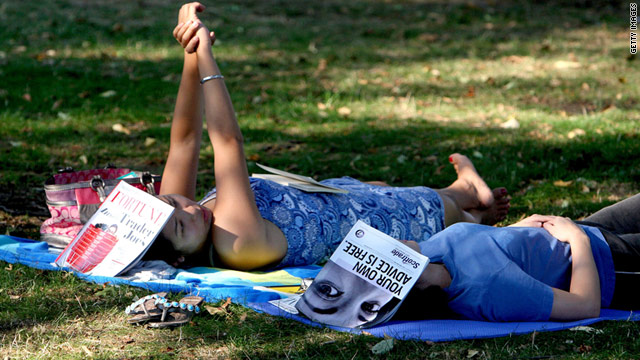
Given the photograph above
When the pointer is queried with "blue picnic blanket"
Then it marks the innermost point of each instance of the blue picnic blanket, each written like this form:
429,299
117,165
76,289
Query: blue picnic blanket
256,289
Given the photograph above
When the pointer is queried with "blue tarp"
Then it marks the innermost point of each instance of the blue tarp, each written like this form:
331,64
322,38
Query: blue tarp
249,289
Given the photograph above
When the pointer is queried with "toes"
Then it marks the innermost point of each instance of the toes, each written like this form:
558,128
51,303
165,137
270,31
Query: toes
500,193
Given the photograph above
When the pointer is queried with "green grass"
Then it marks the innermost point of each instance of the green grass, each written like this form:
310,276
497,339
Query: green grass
377,90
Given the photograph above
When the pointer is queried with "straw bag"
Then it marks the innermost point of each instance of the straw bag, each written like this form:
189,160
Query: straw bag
73,196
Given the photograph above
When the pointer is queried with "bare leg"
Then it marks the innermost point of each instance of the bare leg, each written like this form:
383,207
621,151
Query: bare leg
469,199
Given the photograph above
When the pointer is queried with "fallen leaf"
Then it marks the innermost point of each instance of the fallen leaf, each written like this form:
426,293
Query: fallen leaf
83,159
585,86
108,94
86,350
587,329
27,97
560,183
471,353
149,141
322,65
402,159
226,303
575,133
19,49
382,347
344,111
63,116
565,65
14,297
511,123
56,104
121,129
477,154
117,27
9,268
471,92
213,310
584,348
322,106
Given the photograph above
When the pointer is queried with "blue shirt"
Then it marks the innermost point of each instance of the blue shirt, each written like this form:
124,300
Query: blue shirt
506,274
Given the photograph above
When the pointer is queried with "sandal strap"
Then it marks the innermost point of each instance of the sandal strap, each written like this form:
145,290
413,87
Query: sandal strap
166,306
132,308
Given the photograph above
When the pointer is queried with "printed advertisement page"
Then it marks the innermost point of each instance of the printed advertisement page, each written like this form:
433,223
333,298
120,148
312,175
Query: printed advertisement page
364,281
118,234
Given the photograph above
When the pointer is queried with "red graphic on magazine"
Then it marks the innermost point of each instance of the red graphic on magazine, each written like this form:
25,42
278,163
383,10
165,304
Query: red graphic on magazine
92,247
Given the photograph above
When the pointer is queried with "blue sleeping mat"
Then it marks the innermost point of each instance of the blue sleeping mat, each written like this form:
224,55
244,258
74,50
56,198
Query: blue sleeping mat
255,289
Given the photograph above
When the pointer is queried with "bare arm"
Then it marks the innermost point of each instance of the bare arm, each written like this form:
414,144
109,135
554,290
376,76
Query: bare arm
242,238
180,171
583,298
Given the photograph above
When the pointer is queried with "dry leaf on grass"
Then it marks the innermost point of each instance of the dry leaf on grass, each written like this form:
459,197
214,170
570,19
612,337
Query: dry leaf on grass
575,133
108,94
511,123
344,111
382,347
121,129
560,183
219,310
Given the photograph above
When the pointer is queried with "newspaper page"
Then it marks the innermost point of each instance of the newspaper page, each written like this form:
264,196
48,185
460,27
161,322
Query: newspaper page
364,281
299,182
118,234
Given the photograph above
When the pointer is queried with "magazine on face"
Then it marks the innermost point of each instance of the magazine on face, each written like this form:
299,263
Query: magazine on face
117,236
299,182
363,283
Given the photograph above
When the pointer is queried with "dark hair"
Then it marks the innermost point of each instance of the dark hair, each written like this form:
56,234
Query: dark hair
429,303
163,249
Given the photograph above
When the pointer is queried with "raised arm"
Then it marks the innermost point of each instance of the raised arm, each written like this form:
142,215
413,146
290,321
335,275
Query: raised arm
180,171
242,238
583,298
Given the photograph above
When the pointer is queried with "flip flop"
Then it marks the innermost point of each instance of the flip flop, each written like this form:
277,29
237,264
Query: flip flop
145,309
177,313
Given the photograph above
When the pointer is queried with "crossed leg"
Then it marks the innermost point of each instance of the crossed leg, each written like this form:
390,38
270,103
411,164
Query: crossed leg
469,199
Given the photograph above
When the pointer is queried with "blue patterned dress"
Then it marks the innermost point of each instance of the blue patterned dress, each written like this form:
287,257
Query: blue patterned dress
314,224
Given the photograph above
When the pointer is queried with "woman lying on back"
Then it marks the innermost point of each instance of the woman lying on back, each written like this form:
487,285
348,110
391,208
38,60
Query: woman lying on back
247,223
543,267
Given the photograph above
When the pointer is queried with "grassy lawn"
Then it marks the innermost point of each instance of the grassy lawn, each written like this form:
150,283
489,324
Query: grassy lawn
543,96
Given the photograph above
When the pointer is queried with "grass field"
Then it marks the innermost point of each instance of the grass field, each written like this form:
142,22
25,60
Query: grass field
543,96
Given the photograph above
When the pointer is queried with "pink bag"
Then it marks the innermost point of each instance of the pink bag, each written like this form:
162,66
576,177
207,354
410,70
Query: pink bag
73,196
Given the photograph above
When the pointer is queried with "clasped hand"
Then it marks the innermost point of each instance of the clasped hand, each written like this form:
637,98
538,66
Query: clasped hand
190,31
562,228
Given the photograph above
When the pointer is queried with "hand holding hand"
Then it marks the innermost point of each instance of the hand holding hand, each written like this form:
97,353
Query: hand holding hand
531,221
189,25
563,229
188,12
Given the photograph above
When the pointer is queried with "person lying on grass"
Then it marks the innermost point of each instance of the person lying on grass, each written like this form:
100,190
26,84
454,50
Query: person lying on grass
541,268
248,223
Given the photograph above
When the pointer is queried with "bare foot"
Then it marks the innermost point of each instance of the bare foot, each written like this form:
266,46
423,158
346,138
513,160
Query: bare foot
497,211
469,190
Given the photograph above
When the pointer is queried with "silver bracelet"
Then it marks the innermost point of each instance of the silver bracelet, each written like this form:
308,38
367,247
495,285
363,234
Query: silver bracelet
210,77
